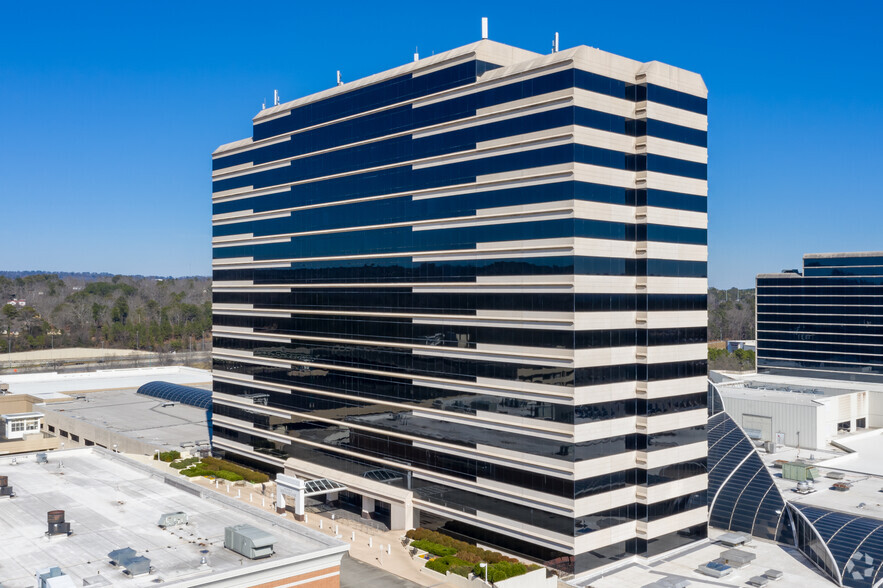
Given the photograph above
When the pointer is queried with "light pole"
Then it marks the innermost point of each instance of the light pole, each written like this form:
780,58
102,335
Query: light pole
484,565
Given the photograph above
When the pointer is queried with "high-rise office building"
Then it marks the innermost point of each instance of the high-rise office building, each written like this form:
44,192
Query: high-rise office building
826,322
472,291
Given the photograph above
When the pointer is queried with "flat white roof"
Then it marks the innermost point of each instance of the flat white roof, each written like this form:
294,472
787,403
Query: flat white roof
22,415
53,385
114,502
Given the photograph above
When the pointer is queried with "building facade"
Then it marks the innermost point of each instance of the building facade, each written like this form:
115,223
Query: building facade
477,281
826,322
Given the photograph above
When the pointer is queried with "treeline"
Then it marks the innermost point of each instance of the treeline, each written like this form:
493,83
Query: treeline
125,312
730,314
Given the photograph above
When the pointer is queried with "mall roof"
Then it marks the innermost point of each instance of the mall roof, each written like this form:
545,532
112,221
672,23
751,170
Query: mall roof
113,502
52,386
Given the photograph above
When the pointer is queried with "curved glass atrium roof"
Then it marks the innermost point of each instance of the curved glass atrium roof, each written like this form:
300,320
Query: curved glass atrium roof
177,393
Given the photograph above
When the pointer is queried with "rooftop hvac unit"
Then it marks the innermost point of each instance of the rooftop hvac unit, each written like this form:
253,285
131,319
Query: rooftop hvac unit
57,526
171,519
137,566
120,557
53,578
5,488
248,541
42,458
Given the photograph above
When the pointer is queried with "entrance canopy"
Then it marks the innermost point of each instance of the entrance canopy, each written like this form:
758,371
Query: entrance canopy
323,486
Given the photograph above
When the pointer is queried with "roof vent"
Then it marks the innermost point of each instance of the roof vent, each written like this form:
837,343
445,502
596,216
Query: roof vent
120,557
137,566
248,541
42,458
5,488
57,526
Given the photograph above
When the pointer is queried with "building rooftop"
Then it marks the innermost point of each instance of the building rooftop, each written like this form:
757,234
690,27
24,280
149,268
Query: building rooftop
53,386
771,381
798,572
113,502
759,389
137,416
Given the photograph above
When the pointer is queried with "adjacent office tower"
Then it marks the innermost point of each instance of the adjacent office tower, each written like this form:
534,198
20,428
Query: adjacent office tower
825,323
472,290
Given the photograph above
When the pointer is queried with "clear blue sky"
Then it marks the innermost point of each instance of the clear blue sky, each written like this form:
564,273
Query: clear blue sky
109,112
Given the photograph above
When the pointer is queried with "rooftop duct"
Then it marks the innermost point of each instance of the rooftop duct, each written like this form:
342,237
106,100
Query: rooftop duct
53,578
172,519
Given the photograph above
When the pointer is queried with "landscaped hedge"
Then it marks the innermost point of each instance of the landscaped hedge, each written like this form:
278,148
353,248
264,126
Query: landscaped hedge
168,456
466,557
213,463
462,548
434,548
450,563
185,463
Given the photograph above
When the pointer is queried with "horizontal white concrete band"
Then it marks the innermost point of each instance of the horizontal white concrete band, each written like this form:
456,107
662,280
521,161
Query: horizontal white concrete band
500,219
515,323
674,217
668,285
248,451
502,148
249,145
604,139
561,396
505,357
604,356
527,387
666,148
671,455
676,420
672,183
527,105
256,216
489,82
532,535
658,528
660,250
514,420
537,176
525,458
604,537
252,241
506,111
604,501
671,353
611,463
675,387
604,429
544,352
604,320
675,116
527,493
608,176
476,255
672,319
252,169
603,103
551,288
604,393
669,490
501,422
562,136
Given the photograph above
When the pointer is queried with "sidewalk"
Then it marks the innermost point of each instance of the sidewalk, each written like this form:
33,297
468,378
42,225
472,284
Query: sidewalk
382,549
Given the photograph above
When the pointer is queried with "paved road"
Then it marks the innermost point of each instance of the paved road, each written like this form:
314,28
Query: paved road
355,574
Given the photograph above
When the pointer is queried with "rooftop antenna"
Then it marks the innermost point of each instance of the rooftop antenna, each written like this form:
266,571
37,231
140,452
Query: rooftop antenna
484,27
555,44
264,104
275,97
339,81
416,54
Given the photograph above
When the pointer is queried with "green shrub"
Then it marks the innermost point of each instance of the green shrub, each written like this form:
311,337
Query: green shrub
437,565
434,548
461,547
168,456
252,476
461,570
472,558
501,570
230,476
184,463
192,472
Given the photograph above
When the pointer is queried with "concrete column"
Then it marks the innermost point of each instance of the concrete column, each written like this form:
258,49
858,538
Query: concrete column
296,489
400,517
331,496
367,507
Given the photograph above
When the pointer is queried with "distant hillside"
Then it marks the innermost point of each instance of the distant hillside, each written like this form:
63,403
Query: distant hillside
41,310
88,276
